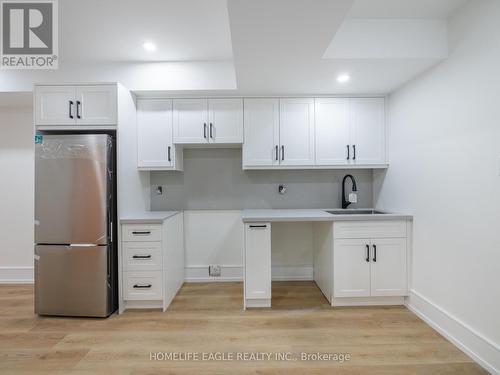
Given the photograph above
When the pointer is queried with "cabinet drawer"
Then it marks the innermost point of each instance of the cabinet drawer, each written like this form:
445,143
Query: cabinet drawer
141,232
142,285
142,256
370,229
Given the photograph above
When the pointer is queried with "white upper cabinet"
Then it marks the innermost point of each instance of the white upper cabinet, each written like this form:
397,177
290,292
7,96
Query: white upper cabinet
297,132
155,148
55,105
261,118
96,105
332,132
199,121
225,120
368,131
350,131
93,105
190,121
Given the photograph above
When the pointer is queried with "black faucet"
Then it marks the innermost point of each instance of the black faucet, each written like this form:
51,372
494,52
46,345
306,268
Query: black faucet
346,203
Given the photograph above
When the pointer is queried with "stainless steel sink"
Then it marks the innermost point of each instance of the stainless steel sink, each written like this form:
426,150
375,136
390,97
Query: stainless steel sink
356,212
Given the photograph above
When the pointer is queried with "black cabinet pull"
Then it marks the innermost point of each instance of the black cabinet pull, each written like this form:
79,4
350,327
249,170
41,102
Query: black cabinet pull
146,232
258,226
282,152
348,152
205,130
367,253
277,152
211,131
71,109
141,257
354,149
374,253
78,104
168,152
142,286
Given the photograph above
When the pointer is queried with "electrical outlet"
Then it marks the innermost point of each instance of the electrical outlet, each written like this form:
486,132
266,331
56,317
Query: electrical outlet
214,270
159,189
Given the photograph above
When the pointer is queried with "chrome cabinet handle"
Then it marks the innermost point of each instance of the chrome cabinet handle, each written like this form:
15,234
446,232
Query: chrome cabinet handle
354,149
367,259
71,109
168,152
141,257
205,130
142,286
277,153
258,226
374,253
141,233
348,152
282,152
211,131
78,105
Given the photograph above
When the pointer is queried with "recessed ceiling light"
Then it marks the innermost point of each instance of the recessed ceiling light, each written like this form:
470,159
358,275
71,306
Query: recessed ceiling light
149,46
343,78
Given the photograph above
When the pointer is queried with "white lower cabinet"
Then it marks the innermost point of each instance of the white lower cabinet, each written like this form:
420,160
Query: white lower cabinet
351,268
257,265
371,264
388,267
152,262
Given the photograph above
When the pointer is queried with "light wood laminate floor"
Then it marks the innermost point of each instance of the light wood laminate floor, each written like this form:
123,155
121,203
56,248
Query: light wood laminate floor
207,317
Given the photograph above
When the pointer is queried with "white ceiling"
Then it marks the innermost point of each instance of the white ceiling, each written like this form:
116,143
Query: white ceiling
114,30
404,8
250,46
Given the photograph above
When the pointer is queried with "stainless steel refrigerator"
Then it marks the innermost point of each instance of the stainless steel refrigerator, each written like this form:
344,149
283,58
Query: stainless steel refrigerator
75,256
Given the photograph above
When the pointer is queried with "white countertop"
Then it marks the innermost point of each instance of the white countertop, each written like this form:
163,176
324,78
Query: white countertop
148,217
313,215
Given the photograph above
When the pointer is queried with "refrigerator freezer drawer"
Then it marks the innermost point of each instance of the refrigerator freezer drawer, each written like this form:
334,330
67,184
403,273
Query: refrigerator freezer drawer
141,232
72,281
142,285
142,256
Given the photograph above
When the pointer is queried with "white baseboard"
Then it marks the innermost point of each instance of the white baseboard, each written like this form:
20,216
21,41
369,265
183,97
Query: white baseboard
16,275
25,275
292,273
199,274
229,273
481,349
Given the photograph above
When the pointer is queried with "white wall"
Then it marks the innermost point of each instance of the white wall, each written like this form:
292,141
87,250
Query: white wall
16,188
444,168
216,237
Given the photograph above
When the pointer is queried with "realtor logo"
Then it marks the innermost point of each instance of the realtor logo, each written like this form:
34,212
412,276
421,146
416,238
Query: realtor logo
29,37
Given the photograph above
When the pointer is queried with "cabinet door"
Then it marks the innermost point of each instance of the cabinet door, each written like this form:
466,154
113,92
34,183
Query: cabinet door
154,134
388,267
55,105
332,131
261,146
190,121
368,130
351,268
96,105
258,261
297,132
225,117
